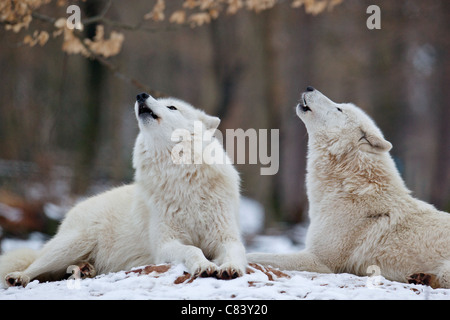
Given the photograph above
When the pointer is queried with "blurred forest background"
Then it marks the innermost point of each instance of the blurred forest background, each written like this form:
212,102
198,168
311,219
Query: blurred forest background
67,125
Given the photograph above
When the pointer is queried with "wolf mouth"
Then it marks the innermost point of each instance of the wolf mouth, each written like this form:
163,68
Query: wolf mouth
304,105
146,111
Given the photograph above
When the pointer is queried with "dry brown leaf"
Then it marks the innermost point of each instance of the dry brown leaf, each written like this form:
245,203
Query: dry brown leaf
198,19
260,5
151,269
157,13
178,17
105,47
16,14
60,23
72,44
43,38
315,7
268,271
190,4
234,6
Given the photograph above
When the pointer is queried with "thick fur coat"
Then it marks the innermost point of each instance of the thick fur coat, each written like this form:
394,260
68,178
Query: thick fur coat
361,213
175,212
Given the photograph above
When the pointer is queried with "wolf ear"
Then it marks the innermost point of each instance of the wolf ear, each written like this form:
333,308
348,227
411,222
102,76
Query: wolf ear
211,122
374,142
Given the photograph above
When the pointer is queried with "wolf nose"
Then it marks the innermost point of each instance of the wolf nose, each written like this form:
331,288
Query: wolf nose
142,97
309,88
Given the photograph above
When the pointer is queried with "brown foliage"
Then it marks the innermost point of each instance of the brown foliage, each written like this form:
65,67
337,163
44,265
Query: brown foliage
20,14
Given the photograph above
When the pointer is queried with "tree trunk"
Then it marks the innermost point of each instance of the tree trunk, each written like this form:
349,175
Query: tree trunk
88,143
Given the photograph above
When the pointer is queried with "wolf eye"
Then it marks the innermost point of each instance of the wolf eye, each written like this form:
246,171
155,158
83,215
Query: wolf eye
339,109
172,108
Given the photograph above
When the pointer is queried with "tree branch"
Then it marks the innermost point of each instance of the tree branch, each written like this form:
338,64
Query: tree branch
98,17
115,24
43,17
124,77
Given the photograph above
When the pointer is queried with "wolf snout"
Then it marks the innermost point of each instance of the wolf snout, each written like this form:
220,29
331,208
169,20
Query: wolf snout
309,88
142,97
143,107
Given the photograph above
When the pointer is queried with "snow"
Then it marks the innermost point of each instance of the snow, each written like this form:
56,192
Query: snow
10,213
257,285
251,216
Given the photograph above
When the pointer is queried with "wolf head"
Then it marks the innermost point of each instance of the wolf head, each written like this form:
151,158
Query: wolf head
165,156
166,125
339,127
346,149
159,118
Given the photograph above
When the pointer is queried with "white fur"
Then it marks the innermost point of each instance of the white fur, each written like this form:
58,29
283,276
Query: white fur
184,213
361,213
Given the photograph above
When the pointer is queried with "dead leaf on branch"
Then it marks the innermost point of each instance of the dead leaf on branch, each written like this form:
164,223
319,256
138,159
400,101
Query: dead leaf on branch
191,4
178,17
16,14
73,44
105,47
19,14
315,7
40,37
234,6
157,13
198,19
260,5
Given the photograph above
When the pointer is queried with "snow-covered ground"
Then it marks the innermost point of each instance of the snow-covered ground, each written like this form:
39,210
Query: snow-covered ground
257,285
300,285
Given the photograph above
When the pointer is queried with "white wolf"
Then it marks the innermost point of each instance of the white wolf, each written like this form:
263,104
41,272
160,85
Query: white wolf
173,212
361,213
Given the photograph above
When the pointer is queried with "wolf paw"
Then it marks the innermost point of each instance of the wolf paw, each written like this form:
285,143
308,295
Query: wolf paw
425,279
206,270
230,271
87,270
17,279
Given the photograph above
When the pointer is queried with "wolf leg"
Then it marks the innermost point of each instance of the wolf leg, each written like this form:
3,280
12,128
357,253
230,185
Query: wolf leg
192,257
231,260
444,275
54,259
300,261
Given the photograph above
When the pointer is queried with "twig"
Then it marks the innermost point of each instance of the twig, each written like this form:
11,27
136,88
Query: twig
98,17
43,17
113,23
137,27
124,77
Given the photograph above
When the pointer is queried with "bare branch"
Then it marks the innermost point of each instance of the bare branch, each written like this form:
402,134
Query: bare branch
105,62
124,77
100,16
136,27
101,19
43,17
